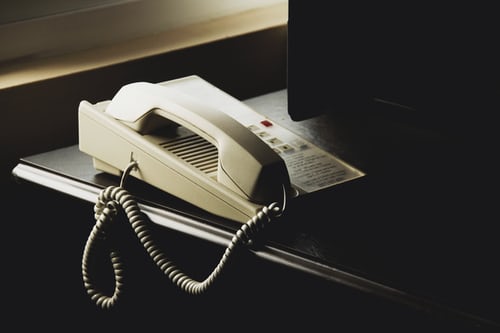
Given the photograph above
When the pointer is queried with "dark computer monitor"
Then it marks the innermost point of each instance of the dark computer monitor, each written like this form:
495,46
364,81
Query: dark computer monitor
437,63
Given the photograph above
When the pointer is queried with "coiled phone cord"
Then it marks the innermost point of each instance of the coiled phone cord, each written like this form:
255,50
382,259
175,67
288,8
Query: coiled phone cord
107,207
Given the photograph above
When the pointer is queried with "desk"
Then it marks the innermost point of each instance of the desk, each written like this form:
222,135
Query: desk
388,234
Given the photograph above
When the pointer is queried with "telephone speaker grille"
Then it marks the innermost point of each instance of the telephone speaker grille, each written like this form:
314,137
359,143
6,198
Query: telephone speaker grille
196,151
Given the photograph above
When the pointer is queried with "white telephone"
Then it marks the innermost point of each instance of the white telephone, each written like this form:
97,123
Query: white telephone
230,162
197,153
183,147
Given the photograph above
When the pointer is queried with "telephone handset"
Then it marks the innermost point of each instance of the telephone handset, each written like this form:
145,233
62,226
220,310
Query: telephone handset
197,153
183,147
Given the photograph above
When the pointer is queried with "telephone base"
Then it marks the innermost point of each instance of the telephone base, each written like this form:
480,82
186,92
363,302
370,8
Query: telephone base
103,166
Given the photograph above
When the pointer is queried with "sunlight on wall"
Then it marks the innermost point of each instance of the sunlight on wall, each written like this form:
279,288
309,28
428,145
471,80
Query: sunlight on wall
58,27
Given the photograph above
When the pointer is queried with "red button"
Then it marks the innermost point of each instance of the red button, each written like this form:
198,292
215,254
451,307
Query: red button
266,123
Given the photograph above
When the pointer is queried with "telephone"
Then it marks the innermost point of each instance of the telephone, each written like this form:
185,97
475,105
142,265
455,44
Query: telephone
217,154
183,147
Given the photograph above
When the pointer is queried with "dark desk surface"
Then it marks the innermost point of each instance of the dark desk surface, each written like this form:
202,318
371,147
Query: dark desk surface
418,229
